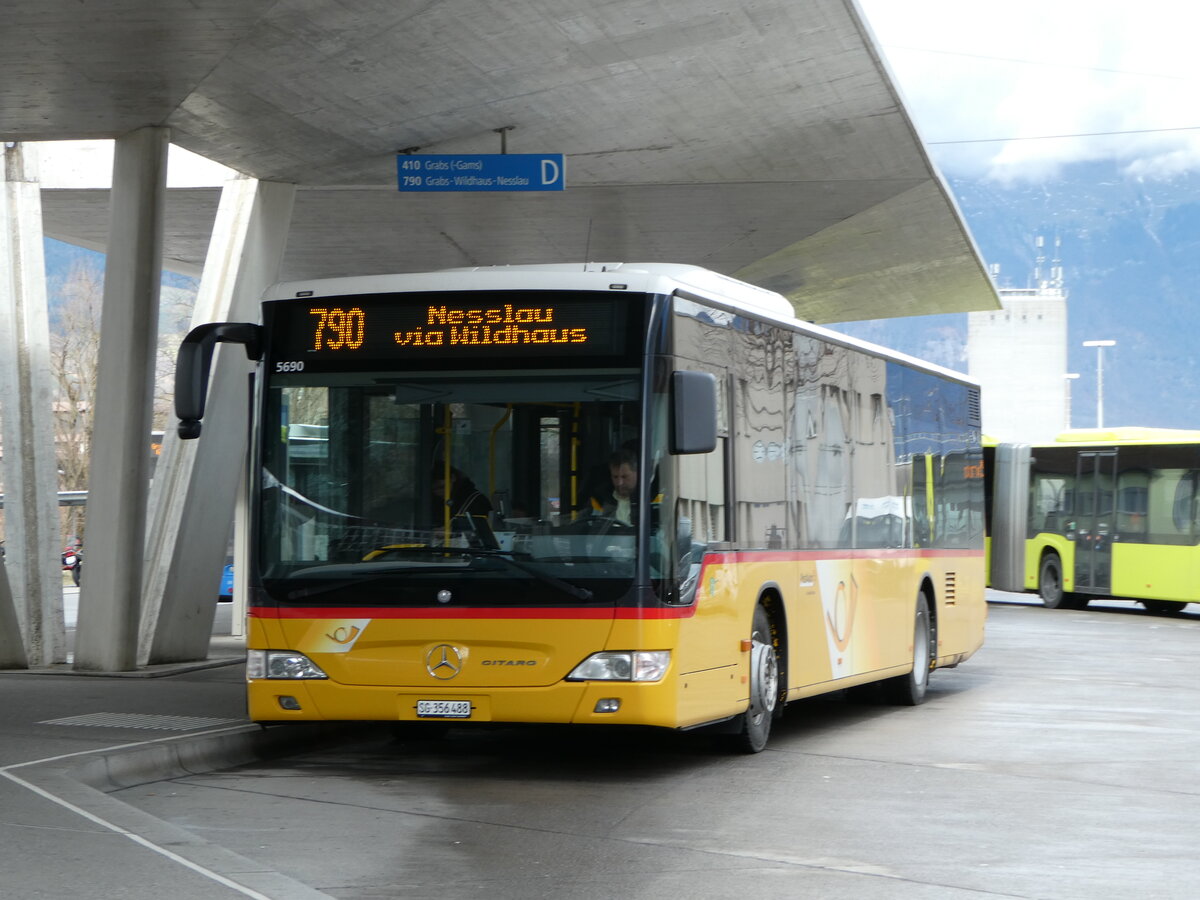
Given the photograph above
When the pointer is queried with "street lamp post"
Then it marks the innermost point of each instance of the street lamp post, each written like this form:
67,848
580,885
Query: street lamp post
1099,345
1070,376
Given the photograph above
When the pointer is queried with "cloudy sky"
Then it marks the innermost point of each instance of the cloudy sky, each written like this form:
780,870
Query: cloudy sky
1122,74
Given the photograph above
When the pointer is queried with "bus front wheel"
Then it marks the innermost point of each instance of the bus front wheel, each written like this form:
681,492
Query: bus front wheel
909,690
1050,583
764,686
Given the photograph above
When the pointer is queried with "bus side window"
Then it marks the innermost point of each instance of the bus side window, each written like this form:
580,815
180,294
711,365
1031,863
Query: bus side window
1133,496
1050,504
1186,502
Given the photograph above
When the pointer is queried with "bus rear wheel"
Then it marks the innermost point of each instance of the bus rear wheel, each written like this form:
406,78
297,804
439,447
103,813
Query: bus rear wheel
909,690
764,687
1164,607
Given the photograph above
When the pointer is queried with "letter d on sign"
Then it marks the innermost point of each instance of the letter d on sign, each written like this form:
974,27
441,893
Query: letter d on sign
550,171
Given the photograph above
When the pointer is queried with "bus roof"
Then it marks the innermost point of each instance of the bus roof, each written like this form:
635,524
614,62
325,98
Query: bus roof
1132,434
664,278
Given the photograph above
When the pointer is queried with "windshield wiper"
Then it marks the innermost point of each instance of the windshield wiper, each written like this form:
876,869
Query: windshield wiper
506,556
378,573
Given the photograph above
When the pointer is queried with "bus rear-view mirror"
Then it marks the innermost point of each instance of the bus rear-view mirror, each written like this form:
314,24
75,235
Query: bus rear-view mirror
693,412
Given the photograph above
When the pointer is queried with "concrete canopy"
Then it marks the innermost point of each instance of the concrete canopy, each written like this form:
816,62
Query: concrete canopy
764,140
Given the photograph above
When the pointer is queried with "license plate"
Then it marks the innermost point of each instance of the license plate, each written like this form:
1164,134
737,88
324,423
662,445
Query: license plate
444,709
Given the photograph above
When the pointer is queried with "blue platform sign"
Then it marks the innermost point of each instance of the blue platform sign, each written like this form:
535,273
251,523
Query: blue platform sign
484,172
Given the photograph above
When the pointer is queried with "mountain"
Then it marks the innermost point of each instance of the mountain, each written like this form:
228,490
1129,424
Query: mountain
62,260
1130,253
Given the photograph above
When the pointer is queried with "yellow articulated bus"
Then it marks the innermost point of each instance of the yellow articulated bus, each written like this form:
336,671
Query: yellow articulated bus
1111,513
598,494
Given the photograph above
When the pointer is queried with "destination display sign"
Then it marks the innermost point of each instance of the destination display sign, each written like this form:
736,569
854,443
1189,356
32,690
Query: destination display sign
409,329
418,172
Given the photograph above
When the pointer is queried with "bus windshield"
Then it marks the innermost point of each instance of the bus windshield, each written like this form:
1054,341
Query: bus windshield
472,488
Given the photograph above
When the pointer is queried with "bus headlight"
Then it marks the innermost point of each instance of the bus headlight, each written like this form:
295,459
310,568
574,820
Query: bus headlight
285,664
623,665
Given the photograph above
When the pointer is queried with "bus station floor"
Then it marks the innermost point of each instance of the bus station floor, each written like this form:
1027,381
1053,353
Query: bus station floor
68,739
78,751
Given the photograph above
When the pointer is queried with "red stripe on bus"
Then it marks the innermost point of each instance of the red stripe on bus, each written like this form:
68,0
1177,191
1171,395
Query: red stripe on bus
383,612
733,556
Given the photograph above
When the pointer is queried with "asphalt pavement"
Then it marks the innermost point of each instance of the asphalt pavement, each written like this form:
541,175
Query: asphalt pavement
67,740
72,744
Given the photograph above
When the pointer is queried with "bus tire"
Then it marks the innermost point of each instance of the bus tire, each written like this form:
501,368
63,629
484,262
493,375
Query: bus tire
764,687
1164,607
910,689
1050,583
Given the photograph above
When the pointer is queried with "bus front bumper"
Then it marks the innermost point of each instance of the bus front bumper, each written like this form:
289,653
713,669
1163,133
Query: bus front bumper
591,702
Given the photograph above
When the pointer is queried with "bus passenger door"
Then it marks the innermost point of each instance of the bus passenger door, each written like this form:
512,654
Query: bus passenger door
1095,523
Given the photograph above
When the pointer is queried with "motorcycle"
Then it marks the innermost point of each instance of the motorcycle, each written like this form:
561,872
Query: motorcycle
72,558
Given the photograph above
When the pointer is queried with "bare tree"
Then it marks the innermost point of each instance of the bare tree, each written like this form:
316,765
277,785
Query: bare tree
74,357
175,312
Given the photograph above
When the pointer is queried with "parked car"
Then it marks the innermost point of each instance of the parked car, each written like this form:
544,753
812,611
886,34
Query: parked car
225,595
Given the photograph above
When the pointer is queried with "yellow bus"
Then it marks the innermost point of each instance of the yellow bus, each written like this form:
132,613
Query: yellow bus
1111,513
597,494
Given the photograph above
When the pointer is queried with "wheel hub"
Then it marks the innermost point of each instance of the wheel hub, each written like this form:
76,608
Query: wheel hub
764,678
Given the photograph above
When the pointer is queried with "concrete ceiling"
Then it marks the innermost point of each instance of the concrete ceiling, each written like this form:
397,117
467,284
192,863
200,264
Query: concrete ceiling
764,140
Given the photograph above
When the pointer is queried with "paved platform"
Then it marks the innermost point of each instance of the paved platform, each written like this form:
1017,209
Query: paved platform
68,739
1038,776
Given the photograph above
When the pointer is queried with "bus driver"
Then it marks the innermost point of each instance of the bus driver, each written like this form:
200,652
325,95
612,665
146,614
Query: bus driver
623,471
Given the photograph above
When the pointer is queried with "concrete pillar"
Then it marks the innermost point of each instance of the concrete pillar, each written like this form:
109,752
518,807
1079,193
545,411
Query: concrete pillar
109,602
33,598
12,648
196,483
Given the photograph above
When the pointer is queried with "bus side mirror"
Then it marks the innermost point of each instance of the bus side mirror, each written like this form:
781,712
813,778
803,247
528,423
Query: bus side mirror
194,362
693,412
